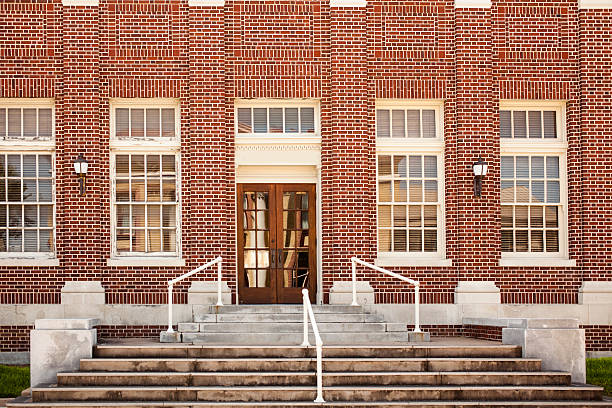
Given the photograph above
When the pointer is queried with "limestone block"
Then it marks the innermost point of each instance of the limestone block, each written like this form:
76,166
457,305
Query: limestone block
341,293
59,349
595,293
167,337
477,292
83,293
418,337
559,348
205,293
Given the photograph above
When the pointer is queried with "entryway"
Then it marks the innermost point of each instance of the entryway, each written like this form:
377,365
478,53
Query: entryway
276,242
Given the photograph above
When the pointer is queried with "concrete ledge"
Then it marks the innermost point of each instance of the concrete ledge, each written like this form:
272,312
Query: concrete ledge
595,293
57,345
347,3
206,3
594,4
66,324
473,3
83,293
341,293
468,292
80,2
205,293
166,337
15,357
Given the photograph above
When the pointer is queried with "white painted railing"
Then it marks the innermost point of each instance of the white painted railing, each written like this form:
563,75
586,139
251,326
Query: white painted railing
319,344
171,283
355,261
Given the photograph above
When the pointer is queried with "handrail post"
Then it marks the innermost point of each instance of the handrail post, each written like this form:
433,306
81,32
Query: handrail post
417,319
354,274
170,329
319,398
219,302
305,343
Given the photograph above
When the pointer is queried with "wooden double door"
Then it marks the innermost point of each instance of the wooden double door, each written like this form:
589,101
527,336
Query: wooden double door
276,242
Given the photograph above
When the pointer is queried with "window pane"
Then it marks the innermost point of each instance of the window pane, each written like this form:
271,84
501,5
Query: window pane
123,216
550,124
122,163
153,189
138,216
552,167
168,164
153,165
399,240
45,126
522,241
291,120
398,123
382,123
168,122
415,167
30,239
169,189
536,217
552,217
535,124
522,191
29,191
384,240
14,190
553,194
415,216
429,123
507,167
522,167
506,241
399,215
15,216
507,216
153,216
505,126
45,215
138,190
520,124
137,164
307,120
138,240
122,122
552,241
123,240
154,241
137,122
399,166
29,165
415,241
169,240
384,191
431,191
44,166
521,219
244,120
14,165
153,122
431,166
45,240
276,120
430,215
537,167
537,241
537,191
14,122
384,165
29,122
431,240
30,216
260,120
15,241
384,216
168,216
416,191
2,122
507,191
400,193
413,119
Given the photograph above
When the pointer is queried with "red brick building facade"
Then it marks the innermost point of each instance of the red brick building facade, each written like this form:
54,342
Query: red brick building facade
490,73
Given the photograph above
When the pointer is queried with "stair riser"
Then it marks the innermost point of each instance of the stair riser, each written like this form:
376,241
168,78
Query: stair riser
275,309
290,327
258,338
328,365
194,379
305,395
465,404
292,318
261,352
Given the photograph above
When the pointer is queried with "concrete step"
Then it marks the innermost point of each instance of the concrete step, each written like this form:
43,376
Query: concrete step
296,338
26,403
309,378
223,351
243,327
288,318
275,309
309,364
307,393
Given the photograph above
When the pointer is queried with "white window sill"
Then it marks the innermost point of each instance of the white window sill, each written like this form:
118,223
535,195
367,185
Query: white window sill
33,261
143,261
409,261
553,262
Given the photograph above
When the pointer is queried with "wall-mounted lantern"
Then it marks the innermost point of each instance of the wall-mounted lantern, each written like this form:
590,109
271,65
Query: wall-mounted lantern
480,170
80,168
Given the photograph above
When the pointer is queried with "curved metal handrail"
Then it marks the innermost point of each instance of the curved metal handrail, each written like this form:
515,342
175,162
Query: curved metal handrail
318,343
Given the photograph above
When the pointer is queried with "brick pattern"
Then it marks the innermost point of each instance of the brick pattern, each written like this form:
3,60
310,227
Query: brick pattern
116,331
598,337
15,338
346,58
493,333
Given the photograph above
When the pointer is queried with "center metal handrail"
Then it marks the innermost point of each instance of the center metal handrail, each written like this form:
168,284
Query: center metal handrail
355,261
218,260
319,344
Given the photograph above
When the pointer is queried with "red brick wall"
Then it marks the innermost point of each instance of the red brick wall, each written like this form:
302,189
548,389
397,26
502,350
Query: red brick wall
598,337
346,58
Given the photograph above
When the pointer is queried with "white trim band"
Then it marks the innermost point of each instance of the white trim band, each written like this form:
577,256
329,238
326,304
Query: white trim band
347,3
595,4
472,3
80,3
145,261
206,3
535,261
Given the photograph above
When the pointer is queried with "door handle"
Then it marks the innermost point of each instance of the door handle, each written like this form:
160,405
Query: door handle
279,258
272,258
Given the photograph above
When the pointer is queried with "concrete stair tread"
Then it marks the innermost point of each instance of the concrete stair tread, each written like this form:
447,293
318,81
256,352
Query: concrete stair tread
575,387
335,373
181,359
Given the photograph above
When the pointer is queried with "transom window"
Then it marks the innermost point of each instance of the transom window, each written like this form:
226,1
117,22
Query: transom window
408,203
406,123
531,203
145,123
26,203
146,203
276,119
532,124
34,123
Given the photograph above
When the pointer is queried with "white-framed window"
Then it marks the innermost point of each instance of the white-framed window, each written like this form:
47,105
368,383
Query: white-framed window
410,182
273,118
145,171
533,180
27,179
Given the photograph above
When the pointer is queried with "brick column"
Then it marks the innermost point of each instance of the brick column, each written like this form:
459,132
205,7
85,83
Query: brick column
478,217
207,139
78,217
351,157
